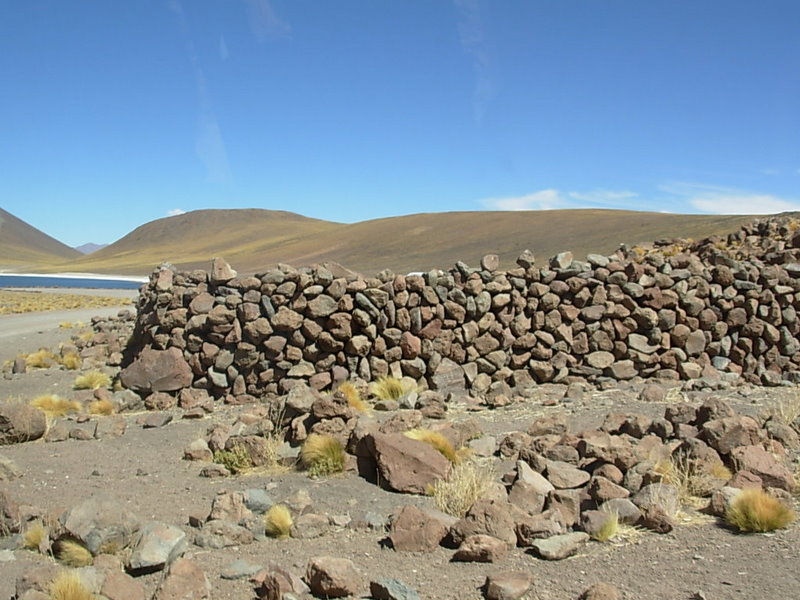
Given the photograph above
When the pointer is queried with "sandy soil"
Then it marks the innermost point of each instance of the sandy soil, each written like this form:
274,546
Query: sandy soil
144,470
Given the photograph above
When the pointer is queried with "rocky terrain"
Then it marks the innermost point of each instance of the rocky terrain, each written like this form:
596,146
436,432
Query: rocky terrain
472,465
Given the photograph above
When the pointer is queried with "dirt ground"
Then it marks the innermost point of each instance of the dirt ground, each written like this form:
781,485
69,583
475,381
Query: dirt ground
144,469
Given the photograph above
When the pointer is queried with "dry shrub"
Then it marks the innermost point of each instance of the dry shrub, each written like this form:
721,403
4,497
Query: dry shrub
786,408
322,455
693,479
391,388
71,360
54,406
103,407
467,483
609,529
353,397
278,521
92,380
236,460
35,536
437,440
754,510
41,359
72,553
68,586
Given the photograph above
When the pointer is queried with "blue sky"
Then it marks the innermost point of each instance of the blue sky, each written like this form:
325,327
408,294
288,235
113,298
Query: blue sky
114,113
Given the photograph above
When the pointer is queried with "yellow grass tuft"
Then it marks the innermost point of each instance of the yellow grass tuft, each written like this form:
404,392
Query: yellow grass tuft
68,586
102,407
278,521
41,359
609,529
391,388
322,455
54,406
35,536
73,554
754,510
86,336
437,440
690,478
353,397
466,484
71,360
91,381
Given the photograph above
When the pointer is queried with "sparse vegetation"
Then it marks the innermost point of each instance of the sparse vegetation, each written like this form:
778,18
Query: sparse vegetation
92,380
278,521
755,511
68,586
353,397
322,455
692,479
786,408
391,388
467,483
55,406
102,407
71,360
437,440
16,302
35,536
609,529
41,359
72,553
236,459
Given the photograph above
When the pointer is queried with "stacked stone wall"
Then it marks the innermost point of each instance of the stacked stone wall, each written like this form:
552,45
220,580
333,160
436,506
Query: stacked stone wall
720,309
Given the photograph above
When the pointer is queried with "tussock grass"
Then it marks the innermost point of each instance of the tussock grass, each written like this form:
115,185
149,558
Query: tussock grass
41,359
17,302
278,521
467,483
609,530
67,585
786,408
92,380
236,460
35,536
353,397
391,388
71,360
55,406
72,553
437,440
322,455
755,511
103,407
692,481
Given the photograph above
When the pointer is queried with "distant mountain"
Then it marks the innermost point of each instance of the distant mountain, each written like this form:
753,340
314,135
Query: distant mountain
89,248
253,240
23,246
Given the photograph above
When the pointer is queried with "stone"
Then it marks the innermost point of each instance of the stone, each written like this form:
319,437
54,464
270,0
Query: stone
448,378
20,423
602,489
414,530
599,359
406,465
121,586
230,506
541,526
488,517
277,583
198,450
223,534
761,463
184,580
481,548
560,547
601,591
507,585
9,469
656,519
100,522
156,545
330,577
391,589
565,476
627,512
240,569
157,371
662,496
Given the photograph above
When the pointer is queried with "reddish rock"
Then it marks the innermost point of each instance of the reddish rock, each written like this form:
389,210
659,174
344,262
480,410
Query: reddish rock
481,548
761,463
330,577
184,581
601,591
508,585
121,586
414,530
20,423
486,517
157,371
407,465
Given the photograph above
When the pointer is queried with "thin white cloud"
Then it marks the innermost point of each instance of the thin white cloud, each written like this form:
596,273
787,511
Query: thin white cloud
265,23
603,196
542,200
175,212
224,54
729,201
471,36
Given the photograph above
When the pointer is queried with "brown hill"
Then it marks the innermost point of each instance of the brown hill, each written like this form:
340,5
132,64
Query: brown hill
253,239
23,246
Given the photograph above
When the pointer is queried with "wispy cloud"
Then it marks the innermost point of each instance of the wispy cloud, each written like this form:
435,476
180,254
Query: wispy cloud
541,200
729,201
603,197
224,54
265,23
175,212
209,143
471,36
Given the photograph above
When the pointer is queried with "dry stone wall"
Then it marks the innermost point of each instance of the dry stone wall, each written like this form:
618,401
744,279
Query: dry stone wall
718,309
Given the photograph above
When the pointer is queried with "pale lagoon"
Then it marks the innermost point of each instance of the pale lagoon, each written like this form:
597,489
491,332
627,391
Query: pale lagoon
29,280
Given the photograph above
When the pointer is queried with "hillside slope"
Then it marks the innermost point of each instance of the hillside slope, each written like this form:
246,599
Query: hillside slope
24,246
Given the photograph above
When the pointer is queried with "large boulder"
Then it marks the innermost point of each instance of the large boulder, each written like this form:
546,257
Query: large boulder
330,577
101,523
406,465
20,423
157,371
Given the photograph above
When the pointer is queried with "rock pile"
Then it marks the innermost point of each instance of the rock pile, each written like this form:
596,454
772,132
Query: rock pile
719,309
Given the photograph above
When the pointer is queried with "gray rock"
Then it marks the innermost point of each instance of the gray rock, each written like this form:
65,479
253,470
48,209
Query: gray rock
391,589
101,522
156,546
240,569
560,546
